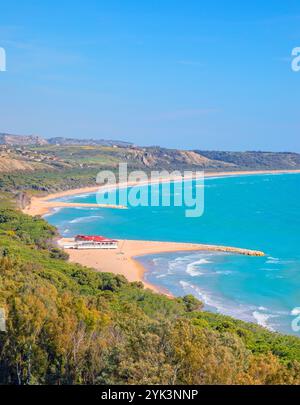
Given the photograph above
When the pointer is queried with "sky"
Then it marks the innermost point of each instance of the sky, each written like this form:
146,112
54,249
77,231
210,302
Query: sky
192,74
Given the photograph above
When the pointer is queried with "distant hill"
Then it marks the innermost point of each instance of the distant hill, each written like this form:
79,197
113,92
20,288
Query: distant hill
21,140
88,142
255,160
31,153
29,140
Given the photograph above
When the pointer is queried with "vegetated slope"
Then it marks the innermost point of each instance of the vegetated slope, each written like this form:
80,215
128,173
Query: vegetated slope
136,157
8,165
59,157
256,160
90,142
67,324
52,168
162,158
63,153
46,168
19,160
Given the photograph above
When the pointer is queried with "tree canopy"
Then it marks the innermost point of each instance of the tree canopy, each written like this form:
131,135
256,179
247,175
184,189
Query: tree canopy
67,324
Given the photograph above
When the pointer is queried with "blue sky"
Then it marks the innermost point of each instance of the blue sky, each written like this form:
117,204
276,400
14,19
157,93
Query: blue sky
177,73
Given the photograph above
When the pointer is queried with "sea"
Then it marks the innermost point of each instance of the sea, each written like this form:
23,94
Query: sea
260,212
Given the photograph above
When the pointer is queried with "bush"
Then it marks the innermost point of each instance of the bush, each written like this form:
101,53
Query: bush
56,253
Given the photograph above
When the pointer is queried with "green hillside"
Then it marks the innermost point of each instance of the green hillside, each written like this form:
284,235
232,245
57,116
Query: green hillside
67,324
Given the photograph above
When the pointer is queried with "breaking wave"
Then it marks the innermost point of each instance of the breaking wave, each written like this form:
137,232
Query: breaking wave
192,268
85,219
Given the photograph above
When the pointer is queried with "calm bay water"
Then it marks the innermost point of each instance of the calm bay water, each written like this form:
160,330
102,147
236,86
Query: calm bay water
256,212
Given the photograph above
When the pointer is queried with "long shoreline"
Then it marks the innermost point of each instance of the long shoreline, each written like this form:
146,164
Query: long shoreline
123,260
42,206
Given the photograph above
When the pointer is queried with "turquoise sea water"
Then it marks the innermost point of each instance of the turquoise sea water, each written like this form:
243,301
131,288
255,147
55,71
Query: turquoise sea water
256,212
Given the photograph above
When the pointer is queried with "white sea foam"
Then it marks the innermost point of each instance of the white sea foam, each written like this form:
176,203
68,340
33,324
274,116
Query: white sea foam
156,261
162,275
53,211
270,269
87,209
160,263
295,311
193,273
263,319
80,196
204,296
172,265
271,260
85,219
192,269
182,259
241,311
272,276
71,198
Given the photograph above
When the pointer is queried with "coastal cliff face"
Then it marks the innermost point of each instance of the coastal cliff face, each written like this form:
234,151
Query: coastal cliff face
23,200
161,158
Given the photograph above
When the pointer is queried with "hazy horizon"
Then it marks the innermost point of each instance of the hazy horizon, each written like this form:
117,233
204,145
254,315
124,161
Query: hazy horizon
152,145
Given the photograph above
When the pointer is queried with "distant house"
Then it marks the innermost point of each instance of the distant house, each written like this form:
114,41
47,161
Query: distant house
91,242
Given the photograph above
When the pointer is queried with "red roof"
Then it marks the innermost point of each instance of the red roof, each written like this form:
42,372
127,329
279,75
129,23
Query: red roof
94,238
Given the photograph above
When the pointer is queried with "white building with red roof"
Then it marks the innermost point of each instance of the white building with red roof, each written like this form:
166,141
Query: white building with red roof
91,242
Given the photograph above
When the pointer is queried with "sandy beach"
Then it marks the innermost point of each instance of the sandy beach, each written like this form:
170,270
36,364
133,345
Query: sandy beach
39,206
122,260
